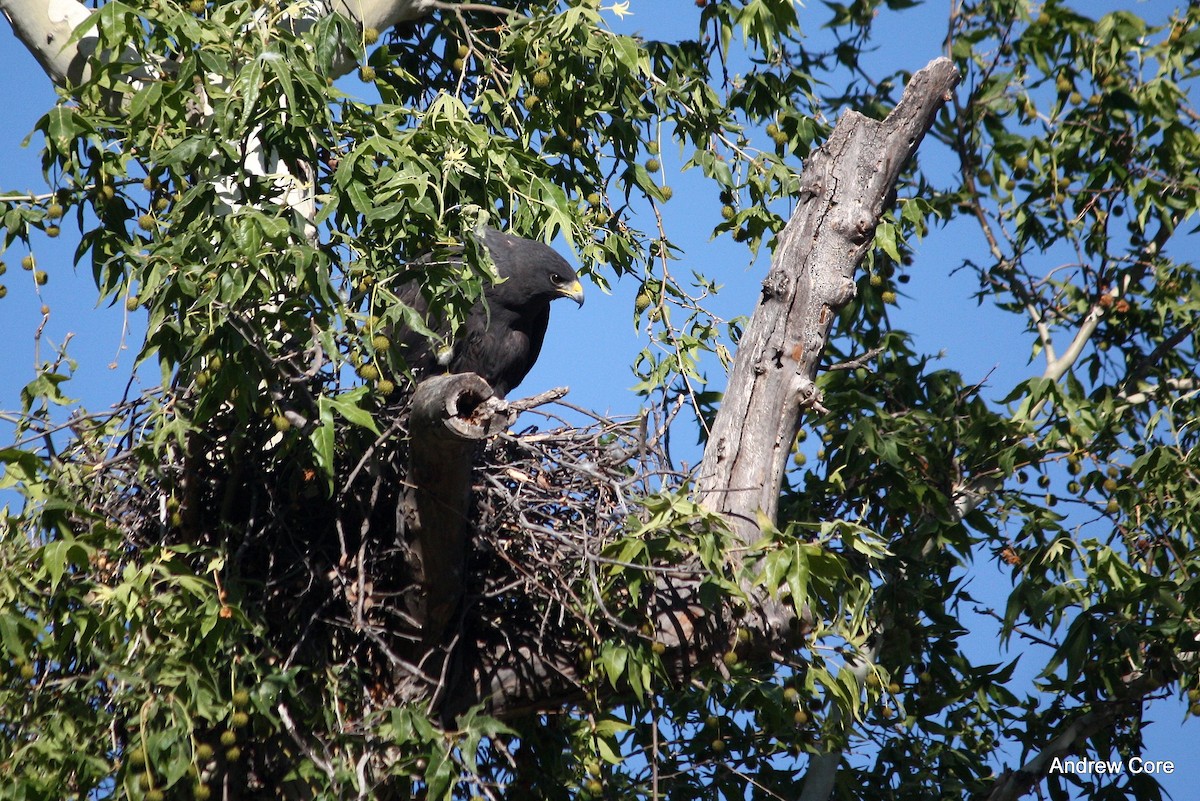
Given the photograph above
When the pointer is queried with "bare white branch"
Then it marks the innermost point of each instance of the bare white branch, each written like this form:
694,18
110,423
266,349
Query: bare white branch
44,27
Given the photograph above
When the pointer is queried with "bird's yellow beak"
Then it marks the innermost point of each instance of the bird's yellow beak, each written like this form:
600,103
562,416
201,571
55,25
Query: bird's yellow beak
574,291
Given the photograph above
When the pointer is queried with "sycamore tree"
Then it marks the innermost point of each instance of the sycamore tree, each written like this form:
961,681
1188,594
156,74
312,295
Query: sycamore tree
289,570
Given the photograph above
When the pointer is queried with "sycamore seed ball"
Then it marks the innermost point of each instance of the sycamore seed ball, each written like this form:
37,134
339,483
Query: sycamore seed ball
40,277
366,74
54,211
370,36
653,165
27,262
204,752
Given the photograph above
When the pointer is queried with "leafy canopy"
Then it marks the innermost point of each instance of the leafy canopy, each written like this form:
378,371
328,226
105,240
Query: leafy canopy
135,671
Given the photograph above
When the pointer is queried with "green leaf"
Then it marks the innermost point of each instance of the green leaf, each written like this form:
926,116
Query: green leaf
885,240
348,406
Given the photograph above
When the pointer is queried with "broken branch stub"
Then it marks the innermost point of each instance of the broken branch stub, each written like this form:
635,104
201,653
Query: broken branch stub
451,415
845,188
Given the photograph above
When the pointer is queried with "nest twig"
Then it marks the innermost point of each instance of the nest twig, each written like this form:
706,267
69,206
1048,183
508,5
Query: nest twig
324,571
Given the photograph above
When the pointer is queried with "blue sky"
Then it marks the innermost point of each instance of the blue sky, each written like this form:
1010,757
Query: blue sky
589,349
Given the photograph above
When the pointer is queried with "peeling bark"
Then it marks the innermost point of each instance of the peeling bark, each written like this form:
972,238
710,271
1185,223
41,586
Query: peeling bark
843,192
844,189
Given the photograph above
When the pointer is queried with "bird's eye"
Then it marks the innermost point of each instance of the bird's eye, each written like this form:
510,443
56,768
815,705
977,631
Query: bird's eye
556,279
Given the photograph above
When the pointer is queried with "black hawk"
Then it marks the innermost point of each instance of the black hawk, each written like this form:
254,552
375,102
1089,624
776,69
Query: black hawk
503,333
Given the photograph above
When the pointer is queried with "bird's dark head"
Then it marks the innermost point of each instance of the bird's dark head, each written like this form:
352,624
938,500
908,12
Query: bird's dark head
532,272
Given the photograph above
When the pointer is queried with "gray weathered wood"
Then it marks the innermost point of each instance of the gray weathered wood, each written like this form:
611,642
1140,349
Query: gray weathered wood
451,415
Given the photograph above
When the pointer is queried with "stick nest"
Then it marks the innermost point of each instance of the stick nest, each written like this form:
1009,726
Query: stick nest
320,564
